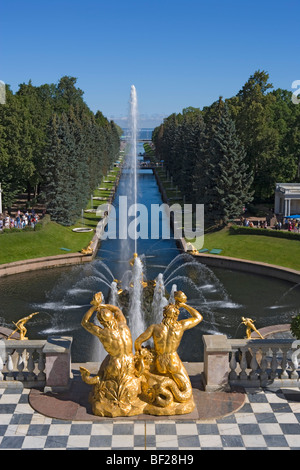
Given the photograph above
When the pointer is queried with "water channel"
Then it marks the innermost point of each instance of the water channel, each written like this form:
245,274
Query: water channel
63,295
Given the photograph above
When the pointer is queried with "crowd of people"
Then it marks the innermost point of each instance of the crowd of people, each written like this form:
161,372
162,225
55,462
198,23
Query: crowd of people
291,225
20,220
249,223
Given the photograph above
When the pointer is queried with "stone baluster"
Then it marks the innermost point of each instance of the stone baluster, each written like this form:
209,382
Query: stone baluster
20,366
30,366
294,367
263,367
274,363
232,365
253,365
284,364
9,366
41,366
243,363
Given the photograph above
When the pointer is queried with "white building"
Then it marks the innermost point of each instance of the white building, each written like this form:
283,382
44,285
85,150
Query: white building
287,199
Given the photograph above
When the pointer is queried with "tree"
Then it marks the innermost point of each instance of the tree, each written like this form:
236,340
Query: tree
16,157
229,177
50,141
253,119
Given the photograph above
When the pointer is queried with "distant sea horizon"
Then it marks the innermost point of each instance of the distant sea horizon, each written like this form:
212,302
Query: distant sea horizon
143,132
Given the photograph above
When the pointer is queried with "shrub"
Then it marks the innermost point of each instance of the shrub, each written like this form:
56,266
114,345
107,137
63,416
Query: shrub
295,326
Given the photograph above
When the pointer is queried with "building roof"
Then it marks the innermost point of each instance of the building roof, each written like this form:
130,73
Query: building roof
288,187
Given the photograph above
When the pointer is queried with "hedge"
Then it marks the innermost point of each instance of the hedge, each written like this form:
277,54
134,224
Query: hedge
240,230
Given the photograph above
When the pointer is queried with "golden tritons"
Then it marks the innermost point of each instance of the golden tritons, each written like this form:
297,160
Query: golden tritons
151,381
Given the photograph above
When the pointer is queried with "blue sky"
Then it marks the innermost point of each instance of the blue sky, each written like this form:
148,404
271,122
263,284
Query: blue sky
176,53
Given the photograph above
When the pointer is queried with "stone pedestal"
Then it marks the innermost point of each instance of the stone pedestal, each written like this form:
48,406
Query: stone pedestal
216,364
58,363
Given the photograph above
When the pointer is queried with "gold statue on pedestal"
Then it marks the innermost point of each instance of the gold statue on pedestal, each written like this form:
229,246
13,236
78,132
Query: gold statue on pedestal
153,381
20,326
166,386
249,323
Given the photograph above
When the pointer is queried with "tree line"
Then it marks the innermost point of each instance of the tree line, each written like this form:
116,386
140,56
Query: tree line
54,147
233,152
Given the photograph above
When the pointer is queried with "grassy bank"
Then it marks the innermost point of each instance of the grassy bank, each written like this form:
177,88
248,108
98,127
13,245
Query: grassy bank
278,251
54,239
250,246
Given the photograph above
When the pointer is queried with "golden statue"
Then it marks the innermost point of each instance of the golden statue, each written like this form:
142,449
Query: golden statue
153,381
143,283
131,262
116,386
88,250
249,323
166,385
20,326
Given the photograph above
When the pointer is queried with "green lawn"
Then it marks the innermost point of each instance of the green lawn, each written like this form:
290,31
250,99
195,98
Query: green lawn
279,251
50,240
46,242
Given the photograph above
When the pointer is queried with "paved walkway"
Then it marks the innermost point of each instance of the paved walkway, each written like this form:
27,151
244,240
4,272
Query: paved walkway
266,420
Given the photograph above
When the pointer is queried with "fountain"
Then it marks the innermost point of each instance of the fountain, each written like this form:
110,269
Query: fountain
133,147
134,302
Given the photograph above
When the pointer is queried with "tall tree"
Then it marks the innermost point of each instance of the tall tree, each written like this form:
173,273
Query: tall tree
253,119
229,175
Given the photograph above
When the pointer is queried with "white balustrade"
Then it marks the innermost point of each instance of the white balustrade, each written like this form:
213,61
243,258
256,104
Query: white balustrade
262,363
36,363
250,362
22,361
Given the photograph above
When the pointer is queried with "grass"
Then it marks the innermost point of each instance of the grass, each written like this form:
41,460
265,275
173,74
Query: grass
278,251
50,240
45,242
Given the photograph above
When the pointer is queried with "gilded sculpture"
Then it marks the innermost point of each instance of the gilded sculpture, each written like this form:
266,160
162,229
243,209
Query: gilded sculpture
249,323
116,384
88,250
20,326
166,385
151,381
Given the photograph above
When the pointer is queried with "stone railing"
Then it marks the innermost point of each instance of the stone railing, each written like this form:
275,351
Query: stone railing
250,362
42,364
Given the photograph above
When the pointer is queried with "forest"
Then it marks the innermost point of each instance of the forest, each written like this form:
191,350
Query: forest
54,148
233,152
